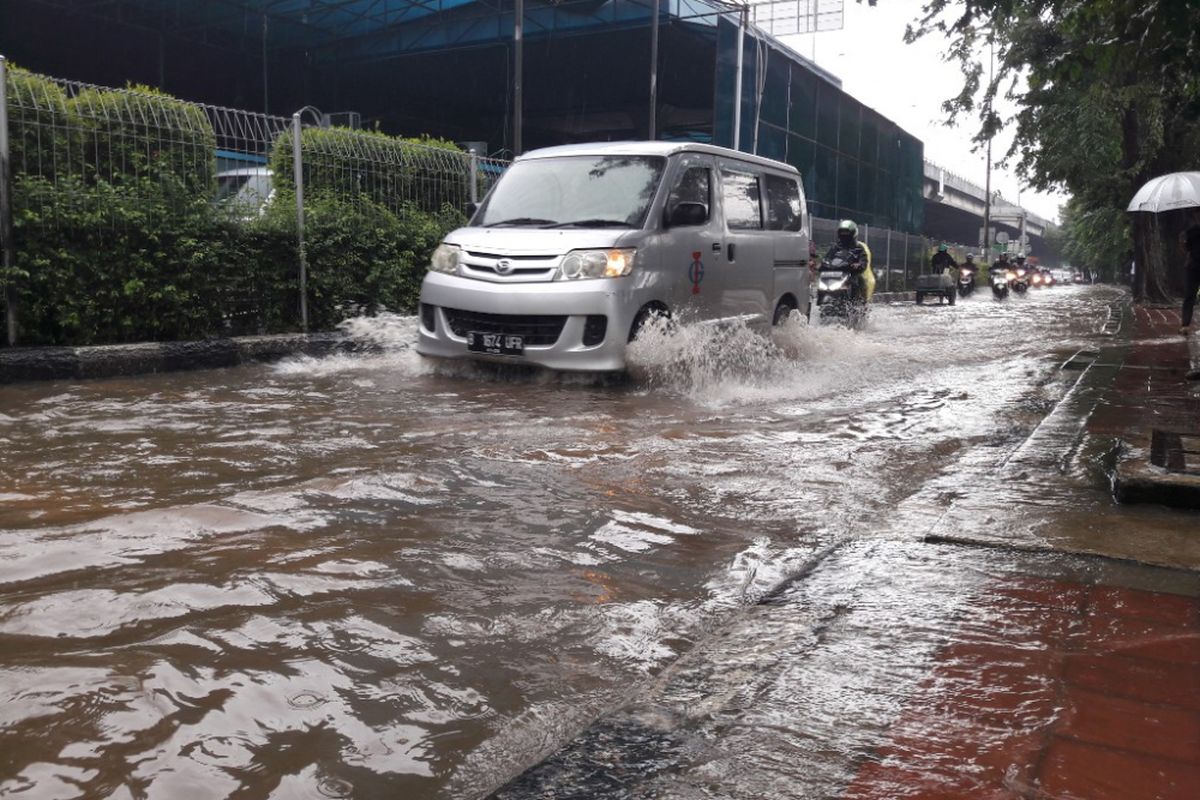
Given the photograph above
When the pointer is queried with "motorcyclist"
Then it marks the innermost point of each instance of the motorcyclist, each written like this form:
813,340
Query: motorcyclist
970,267
943,262
860,256
1001,266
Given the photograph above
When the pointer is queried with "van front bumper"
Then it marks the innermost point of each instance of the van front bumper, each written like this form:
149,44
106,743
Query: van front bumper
454,304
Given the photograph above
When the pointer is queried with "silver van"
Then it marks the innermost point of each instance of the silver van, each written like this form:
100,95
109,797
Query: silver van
575,247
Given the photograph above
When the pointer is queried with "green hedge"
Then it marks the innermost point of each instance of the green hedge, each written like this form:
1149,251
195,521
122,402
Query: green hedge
117,241
389,170
130,134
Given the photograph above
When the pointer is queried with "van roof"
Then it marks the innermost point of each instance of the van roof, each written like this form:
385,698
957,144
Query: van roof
653,149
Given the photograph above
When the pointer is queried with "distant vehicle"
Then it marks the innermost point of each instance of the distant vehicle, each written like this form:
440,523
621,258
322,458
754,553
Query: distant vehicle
1063,276
246,190
999,280
938,283
576,248
1018,279
966,281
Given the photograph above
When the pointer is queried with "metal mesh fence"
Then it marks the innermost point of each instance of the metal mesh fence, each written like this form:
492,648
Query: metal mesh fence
136,215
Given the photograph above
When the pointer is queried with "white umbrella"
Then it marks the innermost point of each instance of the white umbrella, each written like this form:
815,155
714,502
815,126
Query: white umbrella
1168,193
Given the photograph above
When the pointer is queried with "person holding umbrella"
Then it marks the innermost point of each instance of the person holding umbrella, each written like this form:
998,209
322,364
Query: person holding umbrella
1189,242
1175,192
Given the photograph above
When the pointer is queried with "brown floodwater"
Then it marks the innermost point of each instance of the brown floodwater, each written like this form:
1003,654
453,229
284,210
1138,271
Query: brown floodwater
372,576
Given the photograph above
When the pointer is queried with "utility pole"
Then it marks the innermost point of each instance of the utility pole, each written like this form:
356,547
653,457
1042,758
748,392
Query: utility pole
519,59
737,84
987,190
654,72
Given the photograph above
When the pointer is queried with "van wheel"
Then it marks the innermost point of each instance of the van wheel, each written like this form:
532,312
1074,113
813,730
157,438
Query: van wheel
782,312
920,299
644,316
952,296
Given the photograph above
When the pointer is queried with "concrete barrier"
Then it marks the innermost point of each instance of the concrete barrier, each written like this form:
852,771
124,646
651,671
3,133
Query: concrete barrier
106,361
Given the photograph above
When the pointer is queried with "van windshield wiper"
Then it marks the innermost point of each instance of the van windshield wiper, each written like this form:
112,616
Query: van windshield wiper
594,223
519,221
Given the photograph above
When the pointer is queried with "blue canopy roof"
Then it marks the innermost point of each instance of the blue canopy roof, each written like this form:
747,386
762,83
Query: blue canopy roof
366,29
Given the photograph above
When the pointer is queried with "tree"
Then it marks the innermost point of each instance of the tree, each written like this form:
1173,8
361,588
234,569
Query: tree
1108,96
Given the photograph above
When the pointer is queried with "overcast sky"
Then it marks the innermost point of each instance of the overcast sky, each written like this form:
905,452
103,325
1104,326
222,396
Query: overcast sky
907,83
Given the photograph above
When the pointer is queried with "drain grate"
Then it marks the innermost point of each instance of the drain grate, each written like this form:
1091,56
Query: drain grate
1175,452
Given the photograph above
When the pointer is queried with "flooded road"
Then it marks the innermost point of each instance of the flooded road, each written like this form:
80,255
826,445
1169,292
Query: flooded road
371,576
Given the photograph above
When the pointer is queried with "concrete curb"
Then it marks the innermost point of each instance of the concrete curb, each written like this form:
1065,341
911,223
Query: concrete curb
1137,479
106,361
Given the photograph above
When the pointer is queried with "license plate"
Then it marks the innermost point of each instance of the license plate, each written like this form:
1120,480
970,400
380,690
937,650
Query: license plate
497,344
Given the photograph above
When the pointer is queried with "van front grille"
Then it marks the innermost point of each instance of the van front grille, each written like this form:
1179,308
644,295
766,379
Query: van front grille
534,329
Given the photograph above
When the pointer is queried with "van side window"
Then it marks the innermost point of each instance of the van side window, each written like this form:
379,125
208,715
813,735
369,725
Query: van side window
694,186
783,204
743,206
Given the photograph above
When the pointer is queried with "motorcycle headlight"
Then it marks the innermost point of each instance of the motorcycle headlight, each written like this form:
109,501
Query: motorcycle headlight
1010,275
1020,273
966,273
579,264
445,259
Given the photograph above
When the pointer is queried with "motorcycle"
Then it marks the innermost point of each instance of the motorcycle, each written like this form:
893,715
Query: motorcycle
966,281
839,290
1019,279
999,281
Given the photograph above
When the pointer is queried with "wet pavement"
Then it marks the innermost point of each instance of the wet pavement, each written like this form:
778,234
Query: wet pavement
371,576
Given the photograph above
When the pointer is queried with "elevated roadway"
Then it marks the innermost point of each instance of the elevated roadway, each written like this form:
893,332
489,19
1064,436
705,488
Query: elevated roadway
955,206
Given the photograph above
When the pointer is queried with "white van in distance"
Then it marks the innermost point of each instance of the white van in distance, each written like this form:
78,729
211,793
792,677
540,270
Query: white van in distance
576,246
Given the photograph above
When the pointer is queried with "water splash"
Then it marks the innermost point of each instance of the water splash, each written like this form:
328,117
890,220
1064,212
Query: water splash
716,365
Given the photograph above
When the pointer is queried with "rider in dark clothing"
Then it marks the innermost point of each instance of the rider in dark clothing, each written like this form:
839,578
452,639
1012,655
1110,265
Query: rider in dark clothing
942,261
1190,239
1001,265
859,257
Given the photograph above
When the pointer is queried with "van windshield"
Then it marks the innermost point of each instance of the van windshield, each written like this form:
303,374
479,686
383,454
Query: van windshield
574,191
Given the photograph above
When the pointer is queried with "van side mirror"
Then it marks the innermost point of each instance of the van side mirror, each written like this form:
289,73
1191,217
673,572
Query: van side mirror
686,213
469,208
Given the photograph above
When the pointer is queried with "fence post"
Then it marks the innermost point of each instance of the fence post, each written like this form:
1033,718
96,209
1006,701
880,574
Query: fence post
906,261
298,176
474,176
887,278
7,252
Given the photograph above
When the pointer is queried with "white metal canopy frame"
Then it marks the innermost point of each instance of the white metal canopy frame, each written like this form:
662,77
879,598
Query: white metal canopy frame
1169,192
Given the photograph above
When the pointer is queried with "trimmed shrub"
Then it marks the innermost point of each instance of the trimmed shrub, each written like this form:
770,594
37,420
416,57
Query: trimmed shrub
38,124
119,239
128,134
389,170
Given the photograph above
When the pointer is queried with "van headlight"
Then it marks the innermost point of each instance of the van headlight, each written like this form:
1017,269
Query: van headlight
445,259
579,264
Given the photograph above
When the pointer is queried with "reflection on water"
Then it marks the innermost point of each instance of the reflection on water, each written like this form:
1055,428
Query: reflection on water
373,575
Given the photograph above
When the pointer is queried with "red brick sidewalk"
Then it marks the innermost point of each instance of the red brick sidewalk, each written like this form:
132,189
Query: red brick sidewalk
1053,690
1151,389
